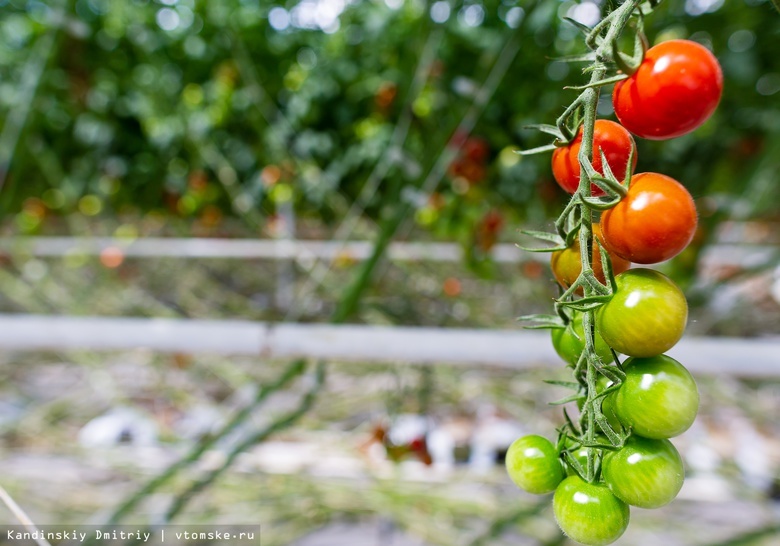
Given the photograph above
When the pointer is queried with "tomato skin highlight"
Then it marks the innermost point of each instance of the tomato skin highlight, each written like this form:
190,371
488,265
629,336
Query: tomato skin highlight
566,264
533,464
589,513
646,316
645,473
569,342
653,223
609,137
673,92
658,399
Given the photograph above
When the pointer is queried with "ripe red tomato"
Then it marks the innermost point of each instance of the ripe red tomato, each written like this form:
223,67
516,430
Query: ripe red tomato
644,473
674,91
589,512
566,264
653,223
533,464
658,398
608,136
646,315
476,149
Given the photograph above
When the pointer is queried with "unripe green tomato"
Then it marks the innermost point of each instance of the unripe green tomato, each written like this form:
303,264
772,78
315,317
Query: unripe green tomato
658,398
588,512
645,473
569,342
533,464
646,315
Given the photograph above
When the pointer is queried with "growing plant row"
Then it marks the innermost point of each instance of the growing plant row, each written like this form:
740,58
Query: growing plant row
613,322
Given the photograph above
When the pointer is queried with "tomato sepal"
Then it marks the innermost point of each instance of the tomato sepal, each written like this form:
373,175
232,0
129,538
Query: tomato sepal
543,322
538,150
585,57
609,432
586,30
567,400
567,384
599,83
548,129
560,243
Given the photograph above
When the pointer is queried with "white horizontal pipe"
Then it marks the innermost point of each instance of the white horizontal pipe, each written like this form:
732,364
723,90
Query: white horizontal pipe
149,247
243,248
516,349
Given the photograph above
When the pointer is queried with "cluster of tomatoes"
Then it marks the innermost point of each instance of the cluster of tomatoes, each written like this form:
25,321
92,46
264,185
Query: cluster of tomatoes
674,90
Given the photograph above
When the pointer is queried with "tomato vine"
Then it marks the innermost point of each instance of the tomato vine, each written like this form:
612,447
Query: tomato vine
603,312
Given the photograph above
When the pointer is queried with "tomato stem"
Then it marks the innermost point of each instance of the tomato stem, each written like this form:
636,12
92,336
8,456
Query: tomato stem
601,39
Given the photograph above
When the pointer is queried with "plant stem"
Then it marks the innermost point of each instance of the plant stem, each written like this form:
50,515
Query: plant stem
279,424
588,100
292,371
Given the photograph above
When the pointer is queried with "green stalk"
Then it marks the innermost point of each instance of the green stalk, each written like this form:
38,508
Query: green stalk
588,99
291,372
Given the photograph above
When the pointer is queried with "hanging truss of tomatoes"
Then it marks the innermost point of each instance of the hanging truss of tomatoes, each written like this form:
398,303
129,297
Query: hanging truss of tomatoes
614,452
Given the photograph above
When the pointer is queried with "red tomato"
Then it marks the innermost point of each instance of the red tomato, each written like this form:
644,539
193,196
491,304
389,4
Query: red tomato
476,149
674,91
608,136
653,223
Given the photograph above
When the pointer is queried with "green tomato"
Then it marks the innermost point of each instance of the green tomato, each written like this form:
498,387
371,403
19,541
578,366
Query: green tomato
569,342
646,315
533,464
588,512
645,473
658,399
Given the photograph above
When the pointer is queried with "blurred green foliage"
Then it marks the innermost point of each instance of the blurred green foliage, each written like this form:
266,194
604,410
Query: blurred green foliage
231,108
